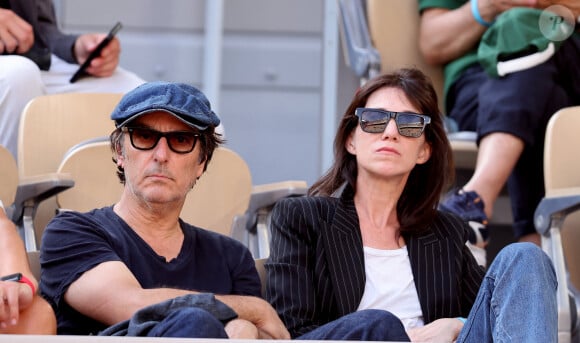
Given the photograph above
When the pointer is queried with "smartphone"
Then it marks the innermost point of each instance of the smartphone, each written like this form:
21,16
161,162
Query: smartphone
96,53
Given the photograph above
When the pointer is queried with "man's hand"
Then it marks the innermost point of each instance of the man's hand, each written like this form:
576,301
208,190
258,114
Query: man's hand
16,35
107,62
270,325
440,330
259,313
241,329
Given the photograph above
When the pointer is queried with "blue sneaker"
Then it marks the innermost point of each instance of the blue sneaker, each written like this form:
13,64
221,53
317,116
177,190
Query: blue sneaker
469,207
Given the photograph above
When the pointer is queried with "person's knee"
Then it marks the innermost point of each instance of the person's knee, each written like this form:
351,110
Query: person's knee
372,316
20,80
18,70
524,250
381,322
529,256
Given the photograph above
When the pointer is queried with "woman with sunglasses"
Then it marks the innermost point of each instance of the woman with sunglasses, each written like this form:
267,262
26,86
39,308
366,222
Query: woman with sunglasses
367,254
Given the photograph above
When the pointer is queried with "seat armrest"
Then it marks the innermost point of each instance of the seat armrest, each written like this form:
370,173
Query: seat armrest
555,206
464,149
252,228
464,136
33,190
30,192
267,194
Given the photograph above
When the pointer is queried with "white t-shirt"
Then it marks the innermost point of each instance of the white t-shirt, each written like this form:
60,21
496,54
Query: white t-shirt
390,286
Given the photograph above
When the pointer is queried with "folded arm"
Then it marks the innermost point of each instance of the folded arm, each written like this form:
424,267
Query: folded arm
91,295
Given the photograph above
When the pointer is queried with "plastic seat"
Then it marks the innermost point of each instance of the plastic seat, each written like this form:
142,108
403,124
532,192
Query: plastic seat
52,124
49,126
360,54
8,177
557,217
89,164
260,267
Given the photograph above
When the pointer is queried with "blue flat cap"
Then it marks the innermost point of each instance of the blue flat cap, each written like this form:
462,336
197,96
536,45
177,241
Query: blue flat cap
184,101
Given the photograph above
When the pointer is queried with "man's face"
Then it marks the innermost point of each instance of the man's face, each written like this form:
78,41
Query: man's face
159,175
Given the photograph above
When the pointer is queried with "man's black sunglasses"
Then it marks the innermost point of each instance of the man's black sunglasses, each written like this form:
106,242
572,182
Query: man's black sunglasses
143,138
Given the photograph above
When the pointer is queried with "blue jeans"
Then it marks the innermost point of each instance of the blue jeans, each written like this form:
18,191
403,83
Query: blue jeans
516,300
189,323
364,325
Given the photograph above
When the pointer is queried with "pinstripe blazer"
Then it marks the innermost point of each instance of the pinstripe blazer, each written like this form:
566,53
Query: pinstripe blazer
316,272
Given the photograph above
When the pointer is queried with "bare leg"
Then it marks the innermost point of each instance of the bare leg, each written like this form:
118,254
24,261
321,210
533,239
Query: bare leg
497,155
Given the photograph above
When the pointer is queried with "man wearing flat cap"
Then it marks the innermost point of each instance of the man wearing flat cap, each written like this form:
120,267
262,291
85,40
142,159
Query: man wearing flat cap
135,268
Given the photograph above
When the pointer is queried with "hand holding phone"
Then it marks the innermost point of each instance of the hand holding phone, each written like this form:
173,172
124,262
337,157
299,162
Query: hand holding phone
96,53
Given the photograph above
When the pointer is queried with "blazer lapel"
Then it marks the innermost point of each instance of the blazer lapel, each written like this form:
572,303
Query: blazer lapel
343,245
431,264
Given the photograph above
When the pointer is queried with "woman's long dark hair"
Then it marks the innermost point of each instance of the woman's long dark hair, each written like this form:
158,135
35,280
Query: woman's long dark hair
418,203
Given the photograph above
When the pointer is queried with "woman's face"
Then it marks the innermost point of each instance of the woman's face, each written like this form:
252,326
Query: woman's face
387,155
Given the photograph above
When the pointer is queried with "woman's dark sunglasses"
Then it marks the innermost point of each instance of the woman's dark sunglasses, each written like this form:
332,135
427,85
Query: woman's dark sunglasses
409,124
142,138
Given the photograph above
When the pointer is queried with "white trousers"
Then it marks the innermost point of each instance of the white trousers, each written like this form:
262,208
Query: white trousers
22,81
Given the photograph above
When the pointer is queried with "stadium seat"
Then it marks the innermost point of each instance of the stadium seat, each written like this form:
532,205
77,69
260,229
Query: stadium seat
8,177
557,217
49,126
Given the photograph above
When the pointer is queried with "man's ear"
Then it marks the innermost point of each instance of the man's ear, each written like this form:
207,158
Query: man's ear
119,156
199,171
